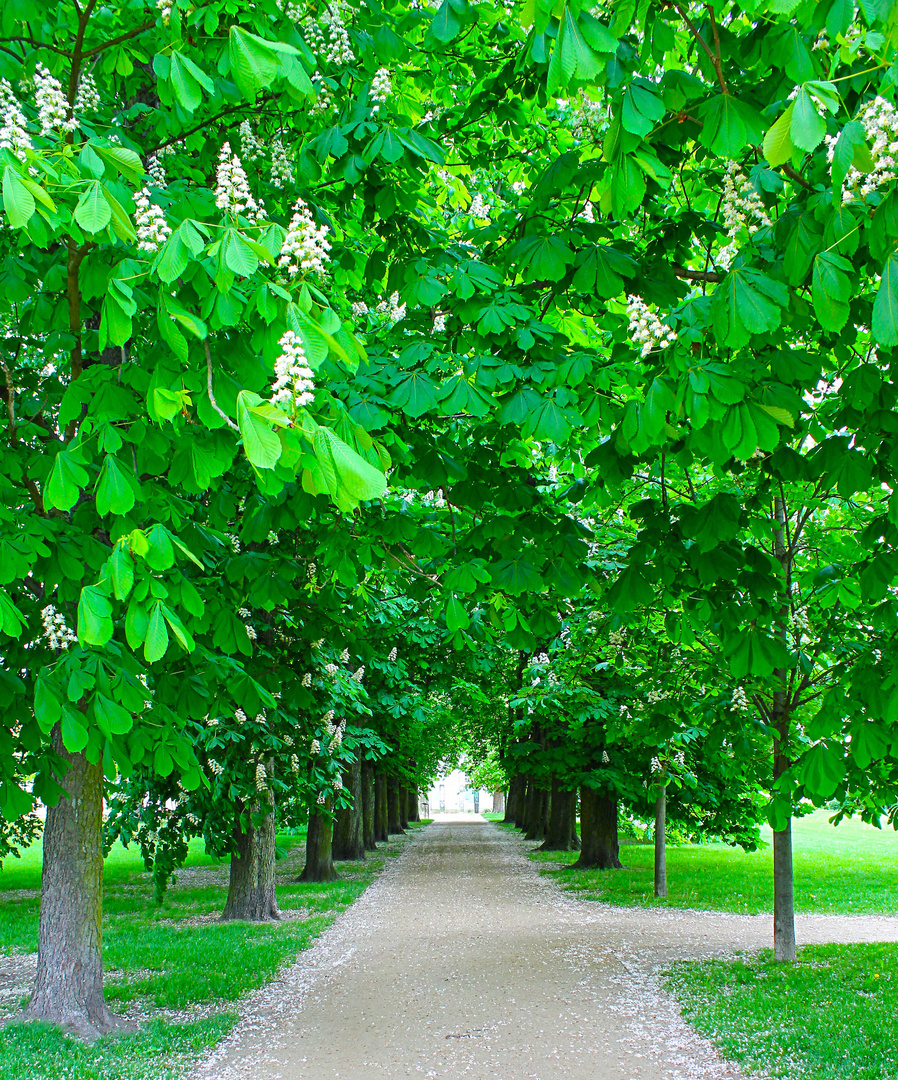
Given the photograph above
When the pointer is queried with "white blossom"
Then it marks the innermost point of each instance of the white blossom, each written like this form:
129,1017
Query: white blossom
359,674
391,307
250,147
320,799
294,383
394,653
381,88
165,10
57,632
324,99
337,783
306,245
240,716
52,107
316,746
742,210
359,309
646,329
234,542
294,763
307,680
880,120
232,192
215,767
439,324
281,169
13,135
589,119
344,656
261,777
152,228
739,700
87,99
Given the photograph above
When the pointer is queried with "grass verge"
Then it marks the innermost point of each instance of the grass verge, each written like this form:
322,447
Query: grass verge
173,967
830,1016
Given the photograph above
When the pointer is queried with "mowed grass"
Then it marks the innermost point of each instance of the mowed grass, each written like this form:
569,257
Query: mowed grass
174,967
830,1016
851,868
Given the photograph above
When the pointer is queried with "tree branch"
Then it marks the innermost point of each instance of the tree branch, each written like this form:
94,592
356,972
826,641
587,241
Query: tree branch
212,400
715,60
797,177
117,41
697,275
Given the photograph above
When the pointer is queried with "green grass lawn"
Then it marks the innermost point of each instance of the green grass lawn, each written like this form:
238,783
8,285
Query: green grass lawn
831,1016
844,869
175,963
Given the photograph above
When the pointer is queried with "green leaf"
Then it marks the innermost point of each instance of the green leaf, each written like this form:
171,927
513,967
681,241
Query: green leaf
745,303
807,127
66,480
601,271
416,394
188,81
18,202
456,616
12,621
354,478
641,110
94,616
542,257
255,62
111,718
778,148
121,563
160,552
156,642
262,446
885,306
93,212
850,150
126,161
73,731
822,770
627,185
115,495
831,290
444,26
728,125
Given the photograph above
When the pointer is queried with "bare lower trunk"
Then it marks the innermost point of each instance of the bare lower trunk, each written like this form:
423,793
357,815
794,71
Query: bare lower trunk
403,806
521,804
599,845
498,801
394,810
319,851
575,834
349,841
368,805
661,843
251,888
539,809
69,986
558,834
784,944
381,809
515,793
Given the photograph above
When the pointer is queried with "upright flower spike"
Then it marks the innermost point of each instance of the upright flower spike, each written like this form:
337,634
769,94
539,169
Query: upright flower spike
294,384
646,329
13,134
52,107
306,245
232,192
152,228
381,88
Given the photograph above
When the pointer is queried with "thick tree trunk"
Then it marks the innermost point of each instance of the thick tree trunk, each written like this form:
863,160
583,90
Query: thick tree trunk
251,888
515,791
349,839
784,943
319,849
558,834
575,835
521,804
381,808
413,812
368,805
69,986
394,810
661,843
403,806
498,801
539,811
599,846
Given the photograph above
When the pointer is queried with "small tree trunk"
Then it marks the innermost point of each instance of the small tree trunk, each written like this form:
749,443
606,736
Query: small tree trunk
349,840
403,806
413,812
575,835
319,849
69,986
394,811
515,790
599,846
661,843
539,813
251,888
558,834
498,801
381,808
521,804
368,805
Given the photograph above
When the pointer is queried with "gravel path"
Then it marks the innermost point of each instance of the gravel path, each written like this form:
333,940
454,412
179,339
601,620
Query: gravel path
463,962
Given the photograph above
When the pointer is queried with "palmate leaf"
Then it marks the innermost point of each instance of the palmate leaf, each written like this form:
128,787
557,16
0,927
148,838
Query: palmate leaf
728,125
831,290
542,257
350,478
885,306
262,446
66,480
18,202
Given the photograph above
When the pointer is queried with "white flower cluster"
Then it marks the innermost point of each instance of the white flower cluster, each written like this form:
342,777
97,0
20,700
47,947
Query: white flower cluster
240,716
56,630
324,99
87,98
292,10
331,669
13,135
281,169
307,680
394,653
339,49
654,696
215,767
336,736
306,245
337,783
589,119
251,632
294,385
381,88
391,307
315,747
273,537
478,208
165,9
588,213
344,656
880,120
359,674
52,107
152,228
294,764
261,777
439,324
232,192
617,638
646,329
742,209
155,167
320,799
250,147
739,700
359,309
234,542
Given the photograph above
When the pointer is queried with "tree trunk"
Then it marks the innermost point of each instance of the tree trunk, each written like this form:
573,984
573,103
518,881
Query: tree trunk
403,806
368,805
319,849
599,849
394,812
575,835
558,834
349,839
539,813
521,804
661,843
784,944
413,812
69,986
499,801
381,809
515,793
251,888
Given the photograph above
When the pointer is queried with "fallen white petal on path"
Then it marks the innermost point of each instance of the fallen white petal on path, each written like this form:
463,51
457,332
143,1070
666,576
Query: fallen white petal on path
462,961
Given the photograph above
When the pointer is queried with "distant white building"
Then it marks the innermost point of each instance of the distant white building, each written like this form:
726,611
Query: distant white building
451,795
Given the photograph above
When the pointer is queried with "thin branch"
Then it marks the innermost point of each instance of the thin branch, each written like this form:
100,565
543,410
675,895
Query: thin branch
212,400
797,177
697,275
39,45
117,41
717,63
701,41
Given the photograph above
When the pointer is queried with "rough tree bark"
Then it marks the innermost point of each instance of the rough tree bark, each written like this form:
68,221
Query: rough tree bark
69,986
558,834
319,849
661,842
413,812
536,829
523,802
784,944
499,801
251,887
368,805
381,808
515,790
349,840
394,811
599,846
403,806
